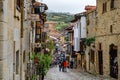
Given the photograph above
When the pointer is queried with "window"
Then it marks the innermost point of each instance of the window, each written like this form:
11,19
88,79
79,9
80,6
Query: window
36,10
17,62
38,24
92,56
24,57
44,36
104,7
38,36
112,6
111,28
38,31
18,5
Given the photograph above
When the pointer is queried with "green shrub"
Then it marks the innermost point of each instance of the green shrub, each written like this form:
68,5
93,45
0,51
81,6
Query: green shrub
43,61
89,41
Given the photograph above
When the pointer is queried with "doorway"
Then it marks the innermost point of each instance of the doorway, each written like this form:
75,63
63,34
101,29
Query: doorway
100,58
113,61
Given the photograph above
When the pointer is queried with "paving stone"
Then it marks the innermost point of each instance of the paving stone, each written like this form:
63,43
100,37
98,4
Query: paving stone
71,74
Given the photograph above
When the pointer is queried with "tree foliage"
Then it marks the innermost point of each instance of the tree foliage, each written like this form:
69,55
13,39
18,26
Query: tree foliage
43,61
50,46
89,41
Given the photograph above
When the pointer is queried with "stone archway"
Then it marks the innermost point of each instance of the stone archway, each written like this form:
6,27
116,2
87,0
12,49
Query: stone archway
113,61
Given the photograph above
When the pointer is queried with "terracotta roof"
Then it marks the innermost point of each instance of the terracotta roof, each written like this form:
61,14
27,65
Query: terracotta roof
89,7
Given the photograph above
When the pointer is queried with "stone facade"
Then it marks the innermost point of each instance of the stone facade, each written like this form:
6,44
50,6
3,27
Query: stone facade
27,41
104,26
12,45
51,27
108,36
7,39
90,51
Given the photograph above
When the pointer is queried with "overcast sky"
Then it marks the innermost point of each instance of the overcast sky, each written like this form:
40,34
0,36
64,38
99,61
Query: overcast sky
71,6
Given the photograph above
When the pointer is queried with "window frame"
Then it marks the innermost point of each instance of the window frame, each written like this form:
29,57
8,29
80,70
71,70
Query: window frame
18,5
112,4
111,28
104,8
92,56
17,62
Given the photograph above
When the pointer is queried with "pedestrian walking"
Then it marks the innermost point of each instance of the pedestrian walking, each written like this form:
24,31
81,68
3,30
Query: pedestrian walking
60,66
71,64
65,65
67,62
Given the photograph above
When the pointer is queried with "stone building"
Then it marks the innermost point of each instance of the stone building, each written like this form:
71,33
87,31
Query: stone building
90,31
107,37
69,41
79,27
14,39
50,25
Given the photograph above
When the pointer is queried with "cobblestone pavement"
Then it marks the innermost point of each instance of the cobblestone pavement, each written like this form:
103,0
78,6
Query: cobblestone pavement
55,74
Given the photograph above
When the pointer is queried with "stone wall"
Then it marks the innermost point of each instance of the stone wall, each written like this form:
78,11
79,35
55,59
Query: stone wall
91,23
108,32
7,37
91,29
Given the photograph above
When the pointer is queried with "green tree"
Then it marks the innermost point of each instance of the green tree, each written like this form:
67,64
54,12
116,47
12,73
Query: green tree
42,61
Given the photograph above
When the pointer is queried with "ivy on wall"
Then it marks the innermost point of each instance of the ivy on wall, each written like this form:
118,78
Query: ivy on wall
89,41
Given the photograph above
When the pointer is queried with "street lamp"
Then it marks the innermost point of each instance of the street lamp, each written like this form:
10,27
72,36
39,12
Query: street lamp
42,8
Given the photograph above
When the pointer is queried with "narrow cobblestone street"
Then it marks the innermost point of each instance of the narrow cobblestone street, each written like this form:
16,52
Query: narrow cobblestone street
71,74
